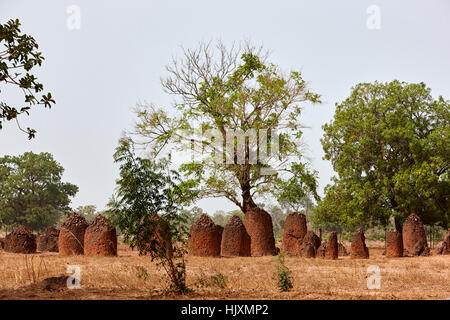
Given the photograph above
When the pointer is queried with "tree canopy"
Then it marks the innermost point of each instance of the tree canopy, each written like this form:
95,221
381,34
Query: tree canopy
31,191
389,143
18,56
239,114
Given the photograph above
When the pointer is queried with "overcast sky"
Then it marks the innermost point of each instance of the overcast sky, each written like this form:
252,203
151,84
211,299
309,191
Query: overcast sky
98,72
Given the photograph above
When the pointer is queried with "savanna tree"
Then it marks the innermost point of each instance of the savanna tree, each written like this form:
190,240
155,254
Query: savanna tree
32,192
238,114
390,146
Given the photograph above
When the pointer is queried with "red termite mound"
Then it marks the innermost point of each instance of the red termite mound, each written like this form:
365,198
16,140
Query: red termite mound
52,235
322,250
332,247
358,249
156,237
444,248
100,238
20,240
414,237
258,224
48,241
205,237
342,251
294,231
71,235
41,242
310,245
394,244
235,239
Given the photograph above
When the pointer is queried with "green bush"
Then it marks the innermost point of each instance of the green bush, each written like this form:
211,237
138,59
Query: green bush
282,275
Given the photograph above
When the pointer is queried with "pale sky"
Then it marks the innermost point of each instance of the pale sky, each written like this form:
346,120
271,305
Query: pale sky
99,72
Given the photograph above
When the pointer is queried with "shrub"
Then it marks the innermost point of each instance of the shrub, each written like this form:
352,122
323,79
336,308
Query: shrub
282,275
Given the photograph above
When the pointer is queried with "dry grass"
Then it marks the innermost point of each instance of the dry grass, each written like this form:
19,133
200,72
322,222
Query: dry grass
130,276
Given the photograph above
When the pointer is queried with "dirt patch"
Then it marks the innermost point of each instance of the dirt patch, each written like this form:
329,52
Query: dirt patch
332,247
235,239
394,244
54,283
358,249
294,231
258,224
100,238
20,240
205,237
414,237
71,235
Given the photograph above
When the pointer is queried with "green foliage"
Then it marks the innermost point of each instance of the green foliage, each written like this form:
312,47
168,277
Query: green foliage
237,91
282,275
89,212
31,191
18,55
146,209
216,280
296,192
278,220
390,145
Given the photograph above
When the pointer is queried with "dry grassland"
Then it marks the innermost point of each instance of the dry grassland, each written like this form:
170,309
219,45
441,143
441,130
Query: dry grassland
130,276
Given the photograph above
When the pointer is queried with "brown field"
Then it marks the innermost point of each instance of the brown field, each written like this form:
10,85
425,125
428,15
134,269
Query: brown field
247,278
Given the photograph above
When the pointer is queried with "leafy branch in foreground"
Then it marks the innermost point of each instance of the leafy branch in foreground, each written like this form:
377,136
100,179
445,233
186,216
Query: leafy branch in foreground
18,55
146,209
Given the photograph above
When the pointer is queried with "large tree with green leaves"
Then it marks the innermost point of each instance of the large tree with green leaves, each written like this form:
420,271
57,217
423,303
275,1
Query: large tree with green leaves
18,56
390,146
31,191
225,100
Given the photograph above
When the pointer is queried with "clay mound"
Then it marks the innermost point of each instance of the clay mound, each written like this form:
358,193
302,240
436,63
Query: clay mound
206,237
52,235
20,240
308,251
332,247
358,249
310,245
158,235
394,244
414,237
71,235
444,248
322,250
100,238
342,251
41,240
294,231
235,239
258,224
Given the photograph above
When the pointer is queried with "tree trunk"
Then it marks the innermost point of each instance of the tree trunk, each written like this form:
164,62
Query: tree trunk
247,201
398,225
